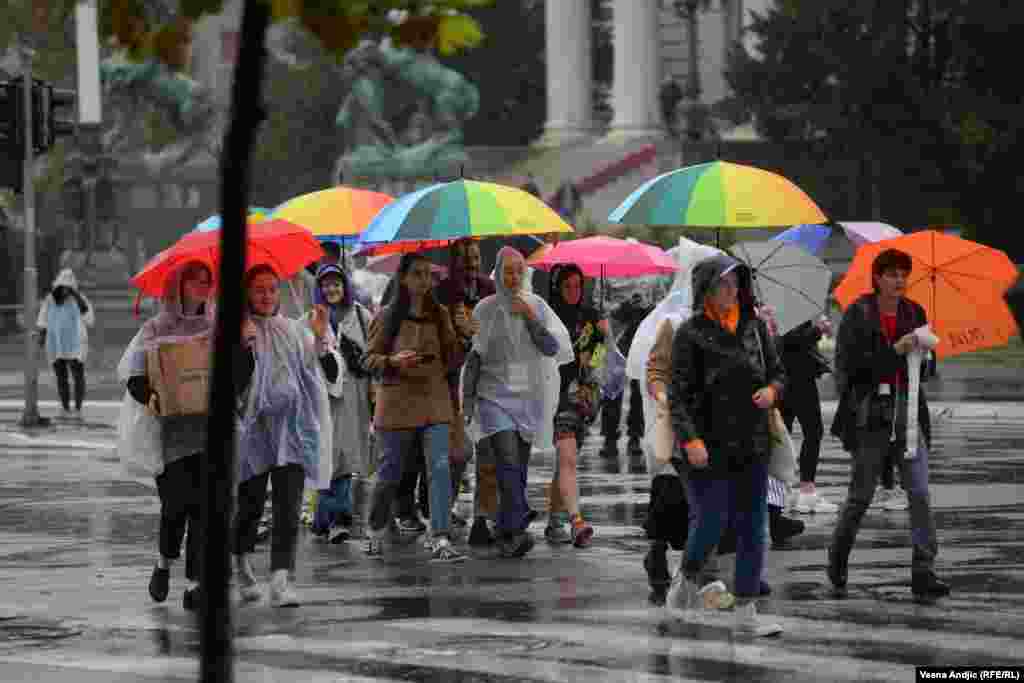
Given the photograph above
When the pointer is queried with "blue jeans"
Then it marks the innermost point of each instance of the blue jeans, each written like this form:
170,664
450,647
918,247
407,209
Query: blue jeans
398,455
513,458
739,500
339,503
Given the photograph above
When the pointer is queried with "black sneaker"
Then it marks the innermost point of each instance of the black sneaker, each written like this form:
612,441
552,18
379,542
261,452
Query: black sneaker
458,522
925,586
517,545
657,596
480,534
190,598
783,528
635,447
837,572
159,584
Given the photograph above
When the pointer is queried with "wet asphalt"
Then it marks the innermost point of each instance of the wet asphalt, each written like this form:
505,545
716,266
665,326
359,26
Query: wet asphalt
78,541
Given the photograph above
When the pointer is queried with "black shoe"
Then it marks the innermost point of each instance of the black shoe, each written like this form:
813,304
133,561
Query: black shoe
479,534
531,516
190,599
783,528
837,572
517,545
926,585
764,589
635,448
658,596
610,449
159,584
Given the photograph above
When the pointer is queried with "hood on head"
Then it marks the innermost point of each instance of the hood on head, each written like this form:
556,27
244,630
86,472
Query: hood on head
346,281
66,278
499,280
173,296
708,272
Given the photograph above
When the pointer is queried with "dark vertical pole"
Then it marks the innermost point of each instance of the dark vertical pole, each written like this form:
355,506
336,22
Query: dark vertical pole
216,665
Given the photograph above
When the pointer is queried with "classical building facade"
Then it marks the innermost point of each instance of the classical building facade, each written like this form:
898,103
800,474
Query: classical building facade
650,46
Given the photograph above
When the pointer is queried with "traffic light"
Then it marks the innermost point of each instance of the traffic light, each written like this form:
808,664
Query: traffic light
12,150
47,122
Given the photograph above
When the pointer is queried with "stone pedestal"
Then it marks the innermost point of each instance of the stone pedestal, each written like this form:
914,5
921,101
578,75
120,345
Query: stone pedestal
637,72
567,27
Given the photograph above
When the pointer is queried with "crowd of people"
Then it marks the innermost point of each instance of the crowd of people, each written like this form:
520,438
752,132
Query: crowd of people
382,407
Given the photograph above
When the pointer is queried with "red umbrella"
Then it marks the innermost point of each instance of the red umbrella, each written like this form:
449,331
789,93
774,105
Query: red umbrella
284,246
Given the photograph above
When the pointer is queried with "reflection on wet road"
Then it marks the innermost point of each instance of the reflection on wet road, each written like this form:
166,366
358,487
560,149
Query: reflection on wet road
77,542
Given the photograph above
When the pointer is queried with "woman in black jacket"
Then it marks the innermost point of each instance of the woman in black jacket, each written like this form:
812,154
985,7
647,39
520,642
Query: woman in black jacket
726,375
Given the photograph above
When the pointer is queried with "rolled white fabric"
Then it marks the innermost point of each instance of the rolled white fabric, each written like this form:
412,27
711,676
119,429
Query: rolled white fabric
926,342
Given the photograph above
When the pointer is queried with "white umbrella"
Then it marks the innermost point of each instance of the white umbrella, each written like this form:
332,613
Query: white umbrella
789,279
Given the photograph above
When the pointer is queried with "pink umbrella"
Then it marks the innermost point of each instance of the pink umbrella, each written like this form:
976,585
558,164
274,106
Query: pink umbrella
388,264
864,232
603,256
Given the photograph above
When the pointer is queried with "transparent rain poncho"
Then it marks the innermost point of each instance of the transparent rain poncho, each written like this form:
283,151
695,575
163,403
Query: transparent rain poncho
676,308
514,375
285,418
138,445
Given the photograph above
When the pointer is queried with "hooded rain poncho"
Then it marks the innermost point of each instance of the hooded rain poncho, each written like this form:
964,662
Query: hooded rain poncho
140,444
517,384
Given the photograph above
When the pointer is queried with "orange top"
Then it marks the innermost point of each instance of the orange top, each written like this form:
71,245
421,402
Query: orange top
729,319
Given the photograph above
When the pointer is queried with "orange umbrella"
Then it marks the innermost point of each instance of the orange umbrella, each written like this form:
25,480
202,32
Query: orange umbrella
960,284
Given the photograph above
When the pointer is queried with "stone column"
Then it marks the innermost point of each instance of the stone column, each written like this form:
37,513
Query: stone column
637,73
567,28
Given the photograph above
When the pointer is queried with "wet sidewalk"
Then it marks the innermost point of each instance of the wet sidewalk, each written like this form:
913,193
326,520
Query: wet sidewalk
77,543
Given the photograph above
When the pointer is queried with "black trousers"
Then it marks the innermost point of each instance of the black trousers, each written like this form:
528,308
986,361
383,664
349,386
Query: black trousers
60,369
287,484
180,489
803,402
611,414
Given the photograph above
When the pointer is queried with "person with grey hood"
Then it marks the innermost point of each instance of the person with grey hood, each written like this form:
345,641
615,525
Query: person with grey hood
726,376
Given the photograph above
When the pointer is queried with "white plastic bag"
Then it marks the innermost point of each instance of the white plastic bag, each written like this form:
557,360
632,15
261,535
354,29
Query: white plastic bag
138,439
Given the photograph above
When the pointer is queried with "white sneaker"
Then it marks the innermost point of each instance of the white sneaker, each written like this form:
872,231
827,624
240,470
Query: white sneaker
443,551
682,594
881,497
897,500
715,596
282,594
807,503
749,623
248,587
66,414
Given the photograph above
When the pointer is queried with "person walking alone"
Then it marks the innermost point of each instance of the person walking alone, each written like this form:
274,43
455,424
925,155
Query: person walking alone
64,316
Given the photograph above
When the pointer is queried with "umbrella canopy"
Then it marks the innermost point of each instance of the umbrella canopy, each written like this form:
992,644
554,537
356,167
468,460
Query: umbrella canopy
603,256
788,278
438,214
865,232
719,194
960,284
284,246
335,214
214,222
811,238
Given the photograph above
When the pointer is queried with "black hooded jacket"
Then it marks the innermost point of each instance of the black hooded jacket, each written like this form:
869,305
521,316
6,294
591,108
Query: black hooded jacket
715,374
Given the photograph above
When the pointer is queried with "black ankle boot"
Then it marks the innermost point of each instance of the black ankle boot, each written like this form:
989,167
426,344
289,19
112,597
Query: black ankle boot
837,570
656,565
782,528
926,585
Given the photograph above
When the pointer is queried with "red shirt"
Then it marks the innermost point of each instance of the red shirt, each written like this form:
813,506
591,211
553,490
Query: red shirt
889,330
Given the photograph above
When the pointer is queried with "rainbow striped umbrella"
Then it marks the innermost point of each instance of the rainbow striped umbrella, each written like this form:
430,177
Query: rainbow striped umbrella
442,213
718,194
335,214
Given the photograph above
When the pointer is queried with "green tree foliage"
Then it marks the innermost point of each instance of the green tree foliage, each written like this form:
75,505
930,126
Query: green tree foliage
918,79
508,68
